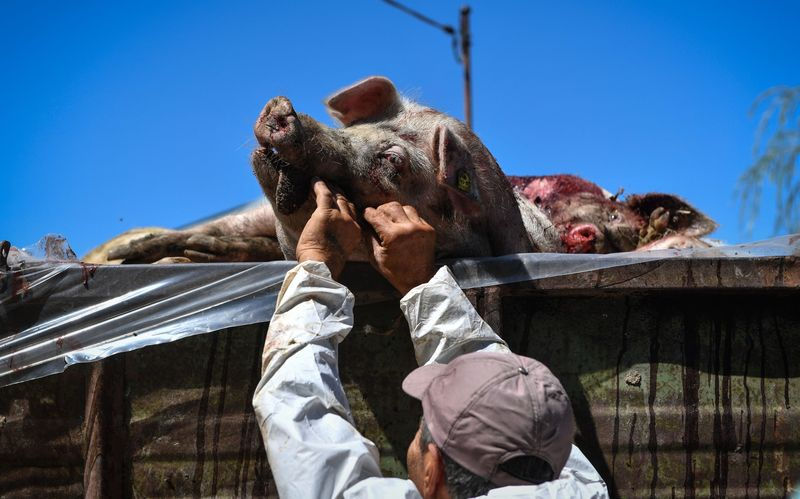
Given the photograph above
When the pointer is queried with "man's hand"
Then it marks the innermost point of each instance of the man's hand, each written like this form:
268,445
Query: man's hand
332,233
402,246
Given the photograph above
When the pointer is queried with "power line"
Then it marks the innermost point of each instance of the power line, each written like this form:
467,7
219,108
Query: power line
461,57
449,30
422,17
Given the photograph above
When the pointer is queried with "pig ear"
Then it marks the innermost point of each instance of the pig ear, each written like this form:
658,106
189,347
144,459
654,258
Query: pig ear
455,171
683,217
370,99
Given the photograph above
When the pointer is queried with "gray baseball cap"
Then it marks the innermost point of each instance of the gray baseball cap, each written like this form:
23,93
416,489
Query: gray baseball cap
486,408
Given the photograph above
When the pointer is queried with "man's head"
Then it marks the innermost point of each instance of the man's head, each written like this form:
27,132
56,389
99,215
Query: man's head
489,420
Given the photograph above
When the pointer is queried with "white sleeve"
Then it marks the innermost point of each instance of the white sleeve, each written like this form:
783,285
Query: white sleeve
444,324
578,479
301,408
383,488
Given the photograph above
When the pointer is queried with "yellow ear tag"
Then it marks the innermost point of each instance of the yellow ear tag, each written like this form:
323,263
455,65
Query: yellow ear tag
464,182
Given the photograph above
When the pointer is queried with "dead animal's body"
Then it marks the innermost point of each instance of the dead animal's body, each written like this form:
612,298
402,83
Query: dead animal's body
588,219
393,149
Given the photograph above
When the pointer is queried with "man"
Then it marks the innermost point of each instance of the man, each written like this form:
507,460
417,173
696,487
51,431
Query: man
493,422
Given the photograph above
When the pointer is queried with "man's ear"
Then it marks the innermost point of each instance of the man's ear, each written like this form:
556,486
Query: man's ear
682,217
433,472
370,99
455,171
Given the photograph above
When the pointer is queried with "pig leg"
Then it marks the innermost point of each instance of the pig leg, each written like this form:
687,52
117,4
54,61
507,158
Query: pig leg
198,248
256,221
239,237
675,241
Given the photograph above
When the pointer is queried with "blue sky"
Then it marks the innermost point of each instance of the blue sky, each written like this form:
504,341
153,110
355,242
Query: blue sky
122,114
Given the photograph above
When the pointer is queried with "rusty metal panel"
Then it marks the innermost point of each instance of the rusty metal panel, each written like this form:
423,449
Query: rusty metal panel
676,393
691,392
192,426
41,425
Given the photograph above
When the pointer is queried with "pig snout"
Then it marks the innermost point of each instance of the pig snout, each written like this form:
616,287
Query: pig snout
583,238
278,129
280,134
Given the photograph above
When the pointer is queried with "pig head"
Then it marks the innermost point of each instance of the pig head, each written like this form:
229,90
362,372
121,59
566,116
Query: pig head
589,219
388,149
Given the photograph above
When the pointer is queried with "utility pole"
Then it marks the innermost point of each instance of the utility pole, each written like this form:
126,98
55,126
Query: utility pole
465,43
462,55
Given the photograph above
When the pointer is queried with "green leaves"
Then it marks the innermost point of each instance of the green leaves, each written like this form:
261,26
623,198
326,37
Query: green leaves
775,152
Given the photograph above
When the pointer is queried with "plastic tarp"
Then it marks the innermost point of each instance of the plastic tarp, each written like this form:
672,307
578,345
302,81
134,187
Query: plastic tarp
56,311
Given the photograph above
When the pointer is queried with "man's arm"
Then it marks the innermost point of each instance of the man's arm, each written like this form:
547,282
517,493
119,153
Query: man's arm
442,322
301,408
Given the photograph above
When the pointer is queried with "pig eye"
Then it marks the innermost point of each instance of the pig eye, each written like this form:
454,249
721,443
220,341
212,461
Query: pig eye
394,155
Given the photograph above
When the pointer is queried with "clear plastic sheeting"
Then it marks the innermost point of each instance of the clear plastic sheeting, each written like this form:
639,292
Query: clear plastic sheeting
494,271
55,312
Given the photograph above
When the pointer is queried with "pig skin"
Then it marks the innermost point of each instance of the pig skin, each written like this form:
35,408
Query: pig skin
394,149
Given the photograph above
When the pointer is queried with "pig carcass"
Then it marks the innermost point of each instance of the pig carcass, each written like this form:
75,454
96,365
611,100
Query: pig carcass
589,219
393,149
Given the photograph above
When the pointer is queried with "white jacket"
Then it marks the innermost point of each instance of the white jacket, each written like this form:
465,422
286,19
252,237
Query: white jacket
313,448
